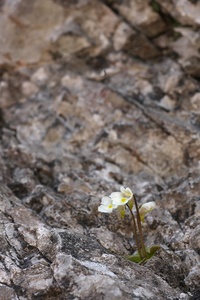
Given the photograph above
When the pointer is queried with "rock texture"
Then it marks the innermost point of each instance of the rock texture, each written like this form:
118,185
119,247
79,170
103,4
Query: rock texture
94,95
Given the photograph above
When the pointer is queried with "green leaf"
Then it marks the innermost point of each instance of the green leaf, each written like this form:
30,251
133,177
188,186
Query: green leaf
134,258
152,251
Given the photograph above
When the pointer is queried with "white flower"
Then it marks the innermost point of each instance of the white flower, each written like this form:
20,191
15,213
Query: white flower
122,197
107,205
145,208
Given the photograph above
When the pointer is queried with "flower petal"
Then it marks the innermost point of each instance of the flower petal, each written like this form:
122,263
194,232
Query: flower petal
105,209
106,200
122,189
117,198
116,195
126,192
119,201
146,207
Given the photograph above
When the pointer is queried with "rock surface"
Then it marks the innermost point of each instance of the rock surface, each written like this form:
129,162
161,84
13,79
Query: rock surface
95,95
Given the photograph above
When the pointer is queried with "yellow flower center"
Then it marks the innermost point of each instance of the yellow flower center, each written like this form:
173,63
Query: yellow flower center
110,206
123,199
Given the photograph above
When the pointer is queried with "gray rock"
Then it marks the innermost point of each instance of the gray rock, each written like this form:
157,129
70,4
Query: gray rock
95,95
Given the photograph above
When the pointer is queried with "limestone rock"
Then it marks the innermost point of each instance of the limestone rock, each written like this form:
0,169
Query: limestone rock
60,31
140,14
26,43
95,95
133,42
186,12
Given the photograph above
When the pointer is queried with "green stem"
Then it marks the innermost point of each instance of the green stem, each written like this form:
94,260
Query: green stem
144,253
135,233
